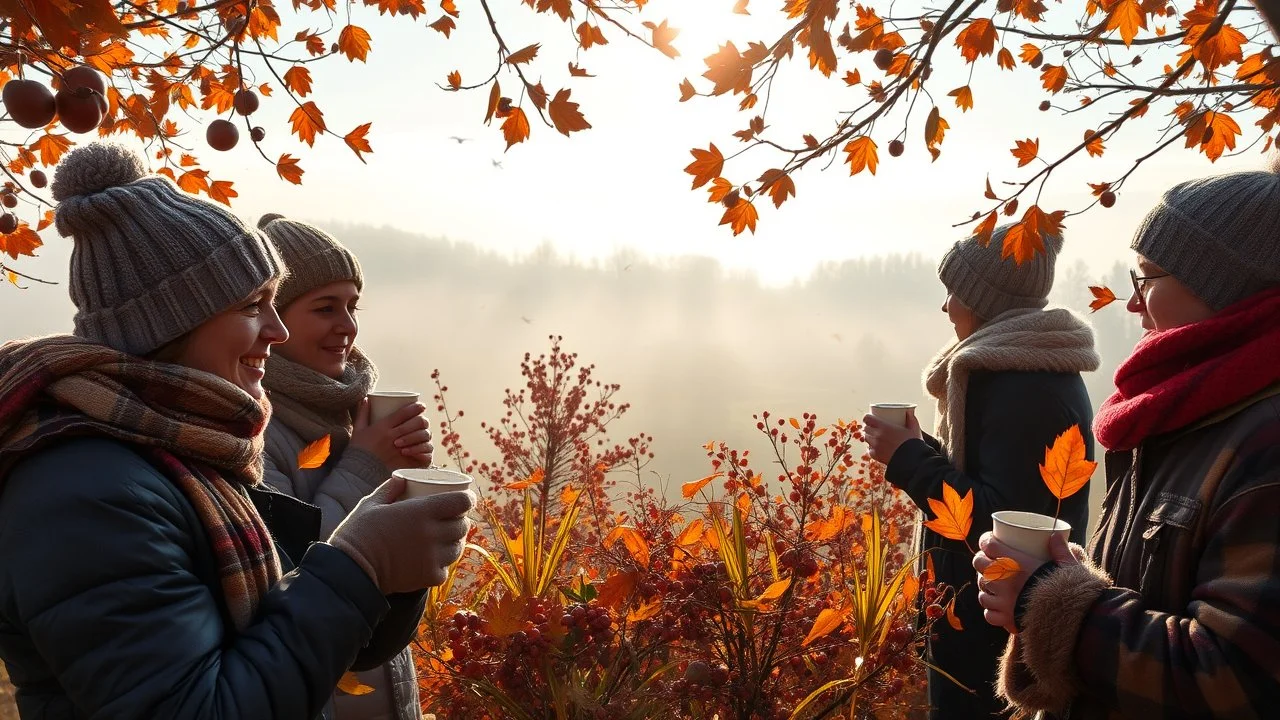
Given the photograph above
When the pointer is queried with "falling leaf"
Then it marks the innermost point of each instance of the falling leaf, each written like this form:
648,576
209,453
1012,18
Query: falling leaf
706,165
1093,143
523,55
1002,569
827,622
686,90
357,142
314,455
662,37
1128,17
1054,78
307,120
455,79
861,155
741,216
952,619
353,42
515,128
350,685
977,39
689,489
1065,469
953,515
288,169
1102,297
1214,132
565,115
1026,151
964,98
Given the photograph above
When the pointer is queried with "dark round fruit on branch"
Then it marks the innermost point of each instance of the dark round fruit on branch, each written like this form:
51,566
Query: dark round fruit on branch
1107,199
222,135
8,223
257,134
85,76
333,48
38,178
182,6
698,673
895,147
883,58
246,102
80,109
29,103
10,200
1044,106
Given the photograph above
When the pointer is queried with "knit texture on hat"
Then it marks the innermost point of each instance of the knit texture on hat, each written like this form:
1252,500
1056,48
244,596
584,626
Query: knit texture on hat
314,257
150,262
1219,236
991,285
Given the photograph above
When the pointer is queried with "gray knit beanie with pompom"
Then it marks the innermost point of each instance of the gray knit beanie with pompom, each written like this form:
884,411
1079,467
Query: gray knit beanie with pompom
150,262
314,257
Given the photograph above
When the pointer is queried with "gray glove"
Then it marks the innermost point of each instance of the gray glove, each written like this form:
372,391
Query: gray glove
405,545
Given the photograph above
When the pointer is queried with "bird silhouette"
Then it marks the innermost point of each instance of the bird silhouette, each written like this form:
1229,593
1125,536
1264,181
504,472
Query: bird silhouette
497,164
526,320
458,140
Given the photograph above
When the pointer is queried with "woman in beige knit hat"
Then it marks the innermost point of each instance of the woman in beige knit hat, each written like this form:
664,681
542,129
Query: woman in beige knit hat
1005,387
318,383
145,570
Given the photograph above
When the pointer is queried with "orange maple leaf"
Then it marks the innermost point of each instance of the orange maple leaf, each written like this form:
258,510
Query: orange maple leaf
298,79
354,42
45,221
1026,151
50,148
444,25
1222,48
194,181
964,98
504,615
589,35
953,515
288,169
577,71
861,155
515,128
314,454
1024,239
706,165
645,611
662,37
523,55
634,542
689,489
1002,569
935,128
779,185
986,229
307,120
22,241
455,79
1054,78
728,71
1005,59
565,115
357,142
686,90
1214,132
615,589
692,533
1031,54
952,619
826,623
741,216
719,190
1093,143
1102,297
222,191
977,39
1065,469
1128,17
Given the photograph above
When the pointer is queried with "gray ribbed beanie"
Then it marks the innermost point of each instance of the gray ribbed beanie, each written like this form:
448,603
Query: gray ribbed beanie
1219,236
313,256
150,262
990,284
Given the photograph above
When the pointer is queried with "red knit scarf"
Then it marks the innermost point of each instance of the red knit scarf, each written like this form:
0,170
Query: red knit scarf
1176,377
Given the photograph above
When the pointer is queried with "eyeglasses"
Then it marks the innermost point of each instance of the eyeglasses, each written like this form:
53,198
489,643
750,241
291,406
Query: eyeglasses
1140,282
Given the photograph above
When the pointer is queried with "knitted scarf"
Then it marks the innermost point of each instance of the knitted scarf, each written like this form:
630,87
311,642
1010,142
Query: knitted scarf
203,433
1019,340
314,405
1176,377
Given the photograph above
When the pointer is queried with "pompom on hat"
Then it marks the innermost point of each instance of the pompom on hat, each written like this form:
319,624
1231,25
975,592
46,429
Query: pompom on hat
150,262
314,257
990,284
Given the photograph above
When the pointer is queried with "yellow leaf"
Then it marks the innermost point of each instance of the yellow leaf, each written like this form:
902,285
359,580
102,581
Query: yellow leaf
1002,569
569,495
314,455
953,515
504,615
689,489
827,622
1065,469
351,686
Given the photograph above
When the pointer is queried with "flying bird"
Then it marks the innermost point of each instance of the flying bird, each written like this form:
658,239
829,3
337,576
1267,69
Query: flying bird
526,320
497,164
458,140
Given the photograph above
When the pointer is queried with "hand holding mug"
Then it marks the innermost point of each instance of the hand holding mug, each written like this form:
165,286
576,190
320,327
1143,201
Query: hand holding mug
402,439
884,437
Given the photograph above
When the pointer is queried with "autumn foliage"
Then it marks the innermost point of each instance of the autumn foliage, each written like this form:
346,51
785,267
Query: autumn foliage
776,585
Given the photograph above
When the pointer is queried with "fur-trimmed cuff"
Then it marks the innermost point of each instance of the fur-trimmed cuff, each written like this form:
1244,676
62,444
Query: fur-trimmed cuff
1037,671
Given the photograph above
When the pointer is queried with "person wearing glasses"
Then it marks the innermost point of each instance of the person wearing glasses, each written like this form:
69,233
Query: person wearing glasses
1174,611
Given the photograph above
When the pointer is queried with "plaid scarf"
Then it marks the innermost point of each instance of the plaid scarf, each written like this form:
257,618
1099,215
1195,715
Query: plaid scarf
203,433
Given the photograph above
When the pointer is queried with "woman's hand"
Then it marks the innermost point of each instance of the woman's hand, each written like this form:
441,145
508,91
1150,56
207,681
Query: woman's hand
999,598
400,440
884,439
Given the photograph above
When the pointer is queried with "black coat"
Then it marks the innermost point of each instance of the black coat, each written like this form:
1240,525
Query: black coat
111,605
1010,419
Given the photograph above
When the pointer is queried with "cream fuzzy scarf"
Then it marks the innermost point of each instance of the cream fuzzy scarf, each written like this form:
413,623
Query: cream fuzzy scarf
314,405
1054,340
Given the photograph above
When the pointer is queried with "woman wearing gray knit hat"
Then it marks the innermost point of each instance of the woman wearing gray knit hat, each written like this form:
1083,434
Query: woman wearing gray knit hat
1174,610
318,382
145,570
1005,388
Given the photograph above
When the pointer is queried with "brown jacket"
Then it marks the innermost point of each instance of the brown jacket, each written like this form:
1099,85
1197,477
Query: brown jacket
1178,615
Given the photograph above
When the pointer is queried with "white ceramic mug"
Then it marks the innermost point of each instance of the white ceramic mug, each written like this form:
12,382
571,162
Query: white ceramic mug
893,413
385,402
424,482
1028,531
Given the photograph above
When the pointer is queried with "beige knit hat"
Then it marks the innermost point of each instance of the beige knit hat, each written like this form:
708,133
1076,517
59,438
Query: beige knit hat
1219,236
989,284
313,256
150,262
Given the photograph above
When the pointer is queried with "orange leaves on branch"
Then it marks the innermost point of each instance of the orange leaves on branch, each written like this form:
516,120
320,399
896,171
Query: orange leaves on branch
354,42
298,80
662,37
565,115
1031,55
1054,78
686,90
1026,238
589,35
861,155
523,55
826,623
1065,470
455,80
50,148
357,142
1093,143
515,128
742,215
1214,132
977,39
1222,48
728,71
222,191
953,515
719,190
985,229
1026,151
23,241
1127,16
288,169
1102,297
634,542
706,165
313,455
779,185
307,121
964,98
689,489
935,128
1005,59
